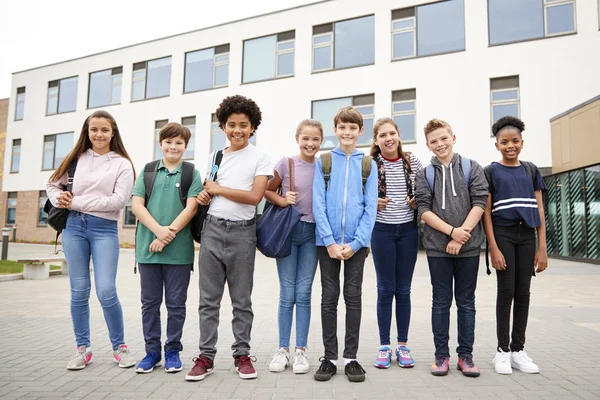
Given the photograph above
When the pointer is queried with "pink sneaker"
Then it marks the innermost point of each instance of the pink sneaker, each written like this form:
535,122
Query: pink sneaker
82,358
440,366
467,366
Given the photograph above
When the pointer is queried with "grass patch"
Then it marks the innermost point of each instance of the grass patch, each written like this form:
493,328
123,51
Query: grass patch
13,267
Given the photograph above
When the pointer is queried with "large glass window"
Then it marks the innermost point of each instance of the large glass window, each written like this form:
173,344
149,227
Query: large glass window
344,44
218,139
11,209
105,87
20,104
404,113
158,125
62,96
42,216
190,122
325,110
269,57
151,79
520,20
56,148
429,29
129,219
504,97
206,69
15,161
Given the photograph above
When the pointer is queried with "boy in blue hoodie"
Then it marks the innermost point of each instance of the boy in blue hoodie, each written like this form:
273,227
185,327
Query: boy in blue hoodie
344,209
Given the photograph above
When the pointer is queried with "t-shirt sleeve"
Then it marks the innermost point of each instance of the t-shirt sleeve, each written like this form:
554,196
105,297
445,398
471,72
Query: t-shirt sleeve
282,168
139,189
538,184
196,186
415,163
264,167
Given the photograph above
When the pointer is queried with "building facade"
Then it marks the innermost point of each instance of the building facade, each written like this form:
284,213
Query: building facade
466,61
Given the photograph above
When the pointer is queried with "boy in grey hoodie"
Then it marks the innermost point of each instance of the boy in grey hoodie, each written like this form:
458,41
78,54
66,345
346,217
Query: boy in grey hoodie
451,195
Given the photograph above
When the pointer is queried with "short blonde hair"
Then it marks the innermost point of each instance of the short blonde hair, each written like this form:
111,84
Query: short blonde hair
309,122
434,124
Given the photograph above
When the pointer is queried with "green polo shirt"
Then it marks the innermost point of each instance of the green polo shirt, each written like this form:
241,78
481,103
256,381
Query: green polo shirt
165,205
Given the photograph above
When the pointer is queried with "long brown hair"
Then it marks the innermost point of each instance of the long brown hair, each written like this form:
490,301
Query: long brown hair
84,143
375,150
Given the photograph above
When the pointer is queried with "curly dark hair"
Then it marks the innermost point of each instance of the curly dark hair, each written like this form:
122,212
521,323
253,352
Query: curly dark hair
239,104
508,121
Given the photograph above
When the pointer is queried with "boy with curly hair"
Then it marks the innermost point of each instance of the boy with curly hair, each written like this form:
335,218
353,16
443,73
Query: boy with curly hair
229,235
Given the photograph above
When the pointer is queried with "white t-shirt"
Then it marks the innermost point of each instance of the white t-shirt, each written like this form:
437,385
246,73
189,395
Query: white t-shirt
237,171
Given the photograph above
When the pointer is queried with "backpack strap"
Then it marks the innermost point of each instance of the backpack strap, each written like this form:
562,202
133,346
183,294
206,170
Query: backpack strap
326,167
366,170
430,176
71,175
487,171
531,170
465,164
216,163
187,176
149,178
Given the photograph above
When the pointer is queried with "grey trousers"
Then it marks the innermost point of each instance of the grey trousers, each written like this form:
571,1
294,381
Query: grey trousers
227,256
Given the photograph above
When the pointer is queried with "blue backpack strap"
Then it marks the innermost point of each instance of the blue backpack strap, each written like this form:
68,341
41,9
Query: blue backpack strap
430,176
466,168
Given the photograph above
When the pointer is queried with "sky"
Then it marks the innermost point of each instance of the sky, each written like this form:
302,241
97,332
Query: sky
40,32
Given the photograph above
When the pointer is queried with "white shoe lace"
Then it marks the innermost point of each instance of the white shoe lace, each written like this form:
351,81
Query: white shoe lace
383,354
300,359
502,357
280,357
524,357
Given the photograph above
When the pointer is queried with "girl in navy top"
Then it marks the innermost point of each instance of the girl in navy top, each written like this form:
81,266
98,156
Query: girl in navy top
513,215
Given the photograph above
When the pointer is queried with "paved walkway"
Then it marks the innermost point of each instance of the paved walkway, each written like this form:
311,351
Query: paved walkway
563,338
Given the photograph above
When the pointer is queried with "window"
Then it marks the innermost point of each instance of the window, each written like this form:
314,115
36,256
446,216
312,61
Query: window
105,87
129,219
269,57
56,148
325,110
16,156
190,122
62,96
151,79
158,125
403,112
428,29
206,69
20,104
504,95
218,139
344,44
11,210
42,216
520,20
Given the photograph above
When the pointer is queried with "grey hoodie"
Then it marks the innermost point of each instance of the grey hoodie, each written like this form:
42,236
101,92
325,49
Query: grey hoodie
452,201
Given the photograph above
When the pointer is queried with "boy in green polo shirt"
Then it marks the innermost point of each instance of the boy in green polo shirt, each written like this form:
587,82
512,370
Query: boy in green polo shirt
165,249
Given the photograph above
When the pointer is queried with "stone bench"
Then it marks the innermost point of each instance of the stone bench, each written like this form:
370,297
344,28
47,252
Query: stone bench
39,268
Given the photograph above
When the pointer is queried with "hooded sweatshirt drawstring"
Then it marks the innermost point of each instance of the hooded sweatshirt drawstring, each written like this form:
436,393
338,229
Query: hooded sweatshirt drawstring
444,185
452,181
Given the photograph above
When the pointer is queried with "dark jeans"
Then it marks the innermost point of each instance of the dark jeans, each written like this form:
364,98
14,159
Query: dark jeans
463,271
517,244
330,294
174,280
395,248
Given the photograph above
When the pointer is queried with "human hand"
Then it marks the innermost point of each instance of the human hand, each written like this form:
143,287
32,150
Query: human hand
382,203
335,251
347,252
203,198
290,198
411,202
498,261
541,260
453,247
461,234
156,246
164,234
212,187
64,200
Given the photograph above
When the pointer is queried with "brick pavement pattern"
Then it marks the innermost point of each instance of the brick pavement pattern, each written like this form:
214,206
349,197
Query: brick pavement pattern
563,339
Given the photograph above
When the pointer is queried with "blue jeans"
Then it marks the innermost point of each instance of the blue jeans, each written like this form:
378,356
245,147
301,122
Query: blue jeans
83,236
395,248
296,274
463,271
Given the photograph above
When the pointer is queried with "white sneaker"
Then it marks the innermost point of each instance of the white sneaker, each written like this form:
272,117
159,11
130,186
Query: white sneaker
521,361
502,363
280,360
300,362
82,358
123,357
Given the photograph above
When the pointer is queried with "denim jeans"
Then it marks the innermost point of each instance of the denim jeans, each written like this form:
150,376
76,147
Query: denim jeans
330,294
463,271
296,274
174,281
395,248
517,244
85,236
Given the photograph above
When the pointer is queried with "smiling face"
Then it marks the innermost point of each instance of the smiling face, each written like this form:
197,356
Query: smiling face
100,133
173,149
440,142
238,130
509,143
388,140
309,140
347,133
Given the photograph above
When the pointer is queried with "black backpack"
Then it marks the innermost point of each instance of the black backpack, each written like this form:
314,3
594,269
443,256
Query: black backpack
57,217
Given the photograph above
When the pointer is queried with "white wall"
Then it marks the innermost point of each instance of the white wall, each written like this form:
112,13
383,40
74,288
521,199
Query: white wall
555,74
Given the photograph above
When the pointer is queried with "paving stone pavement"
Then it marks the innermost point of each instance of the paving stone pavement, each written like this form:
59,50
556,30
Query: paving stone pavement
563,338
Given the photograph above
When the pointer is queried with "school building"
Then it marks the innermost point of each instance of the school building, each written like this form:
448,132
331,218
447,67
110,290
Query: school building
466,61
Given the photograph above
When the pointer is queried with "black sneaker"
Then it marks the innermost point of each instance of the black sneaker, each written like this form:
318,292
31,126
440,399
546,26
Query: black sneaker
326,370
354,371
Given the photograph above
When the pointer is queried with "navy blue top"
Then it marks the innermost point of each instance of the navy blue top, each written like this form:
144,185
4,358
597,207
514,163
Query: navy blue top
513,198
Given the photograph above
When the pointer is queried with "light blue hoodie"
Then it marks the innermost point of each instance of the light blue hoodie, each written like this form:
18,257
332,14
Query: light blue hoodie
344,215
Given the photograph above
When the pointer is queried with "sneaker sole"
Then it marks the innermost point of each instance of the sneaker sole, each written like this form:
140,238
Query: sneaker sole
406,365
147,371
193,378
503,372
79,367
300,371
323,378
381,366
278,369
356,378
173,369
439,373
248,376
468,374
525,372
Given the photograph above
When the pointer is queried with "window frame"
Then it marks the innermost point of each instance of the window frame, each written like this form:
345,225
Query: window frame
493,102
41,208
11,195
157,150
111,86
555,3
285,51
20,91
214,67
329,44
277,54
220,64
124,224
53,135
191,137
12,156
58,85
413,29
413,112
145,69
